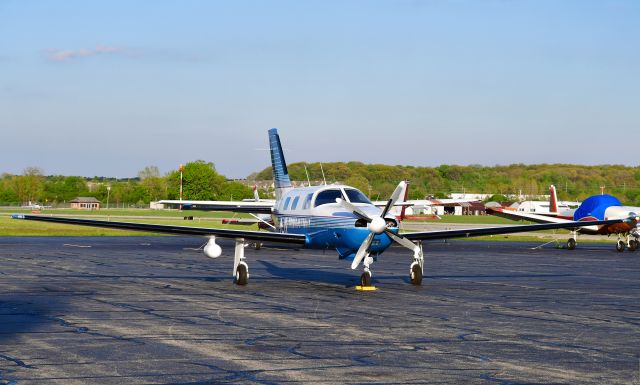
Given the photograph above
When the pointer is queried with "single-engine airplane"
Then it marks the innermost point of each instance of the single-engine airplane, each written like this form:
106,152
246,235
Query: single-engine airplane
594,208
335,217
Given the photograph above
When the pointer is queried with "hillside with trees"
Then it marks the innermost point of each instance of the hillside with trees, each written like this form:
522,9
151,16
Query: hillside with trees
573,182
201,181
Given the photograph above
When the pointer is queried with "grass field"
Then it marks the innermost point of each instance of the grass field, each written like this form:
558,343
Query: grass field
14,227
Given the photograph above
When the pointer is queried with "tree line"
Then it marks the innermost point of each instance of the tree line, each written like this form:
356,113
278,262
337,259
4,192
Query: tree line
573,182
201,181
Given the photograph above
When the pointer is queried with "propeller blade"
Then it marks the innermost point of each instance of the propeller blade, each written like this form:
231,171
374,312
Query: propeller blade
394,197
354,209
401,240
363,251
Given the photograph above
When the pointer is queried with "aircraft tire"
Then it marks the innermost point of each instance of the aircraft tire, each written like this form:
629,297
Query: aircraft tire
242,274
416,274
620,246
365,279
571,244
633,245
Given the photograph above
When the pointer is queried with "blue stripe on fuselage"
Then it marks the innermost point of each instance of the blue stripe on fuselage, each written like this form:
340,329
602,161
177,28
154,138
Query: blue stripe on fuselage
333,233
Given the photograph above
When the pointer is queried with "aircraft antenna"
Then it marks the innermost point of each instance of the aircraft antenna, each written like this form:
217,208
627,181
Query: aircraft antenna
323,178
307,172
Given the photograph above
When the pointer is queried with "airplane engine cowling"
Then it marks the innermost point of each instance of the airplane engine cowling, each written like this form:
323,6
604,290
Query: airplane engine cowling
212,249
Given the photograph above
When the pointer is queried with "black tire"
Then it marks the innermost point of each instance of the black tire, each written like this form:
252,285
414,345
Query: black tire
620,246
571,244
258,245
242,274
365,279
416,275
633,245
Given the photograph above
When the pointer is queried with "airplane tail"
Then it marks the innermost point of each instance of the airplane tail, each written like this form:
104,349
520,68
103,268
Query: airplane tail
553,199
281,179
405,195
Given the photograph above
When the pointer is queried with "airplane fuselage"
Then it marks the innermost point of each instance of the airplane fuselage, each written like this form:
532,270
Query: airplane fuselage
313,211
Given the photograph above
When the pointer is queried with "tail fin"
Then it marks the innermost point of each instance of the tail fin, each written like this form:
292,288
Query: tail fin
404,200
553,199
280,173
256,196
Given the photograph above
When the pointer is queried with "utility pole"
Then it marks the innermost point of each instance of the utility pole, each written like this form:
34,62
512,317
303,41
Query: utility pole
181,171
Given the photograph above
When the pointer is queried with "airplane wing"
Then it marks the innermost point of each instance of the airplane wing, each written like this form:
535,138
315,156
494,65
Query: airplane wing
464,233
515,215
262,236
261,207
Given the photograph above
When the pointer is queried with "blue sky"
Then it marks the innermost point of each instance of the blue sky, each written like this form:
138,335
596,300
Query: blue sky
107,88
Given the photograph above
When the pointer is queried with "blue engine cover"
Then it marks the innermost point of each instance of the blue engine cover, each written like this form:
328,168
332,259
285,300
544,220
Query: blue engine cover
594,206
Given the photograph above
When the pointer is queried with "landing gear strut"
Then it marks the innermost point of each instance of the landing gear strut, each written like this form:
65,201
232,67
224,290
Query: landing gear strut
365,278
417,267
240,267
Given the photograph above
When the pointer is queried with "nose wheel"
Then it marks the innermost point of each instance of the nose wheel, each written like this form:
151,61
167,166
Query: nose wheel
365,278
415,274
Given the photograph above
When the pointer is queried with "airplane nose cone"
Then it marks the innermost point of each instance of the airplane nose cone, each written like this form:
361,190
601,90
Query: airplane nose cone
377,225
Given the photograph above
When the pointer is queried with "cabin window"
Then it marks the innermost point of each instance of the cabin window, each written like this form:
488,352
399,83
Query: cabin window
356,196
307,201
327,196
295,203
286,203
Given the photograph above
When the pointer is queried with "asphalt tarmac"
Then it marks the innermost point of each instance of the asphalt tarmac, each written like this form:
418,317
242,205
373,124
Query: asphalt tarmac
153,310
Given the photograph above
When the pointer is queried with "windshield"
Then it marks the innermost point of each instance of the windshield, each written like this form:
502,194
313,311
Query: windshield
356,196
327,196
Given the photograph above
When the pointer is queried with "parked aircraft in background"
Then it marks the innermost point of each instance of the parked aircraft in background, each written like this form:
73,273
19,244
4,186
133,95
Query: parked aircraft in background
35,206
594,208
324,217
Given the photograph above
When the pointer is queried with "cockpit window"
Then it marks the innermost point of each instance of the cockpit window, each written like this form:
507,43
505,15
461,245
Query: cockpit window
356,196
327,196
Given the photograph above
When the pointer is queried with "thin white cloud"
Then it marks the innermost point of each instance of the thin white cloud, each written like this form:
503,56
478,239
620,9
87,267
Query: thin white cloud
60,55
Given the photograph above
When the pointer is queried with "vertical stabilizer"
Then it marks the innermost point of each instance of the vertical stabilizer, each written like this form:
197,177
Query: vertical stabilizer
405,195
281,179
553,199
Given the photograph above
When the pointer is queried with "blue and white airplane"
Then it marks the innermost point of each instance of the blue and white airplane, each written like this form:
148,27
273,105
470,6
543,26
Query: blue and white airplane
324,217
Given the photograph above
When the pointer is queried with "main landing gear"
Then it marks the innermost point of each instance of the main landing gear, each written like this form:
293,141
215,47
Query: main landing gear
631,243
571,242
240,267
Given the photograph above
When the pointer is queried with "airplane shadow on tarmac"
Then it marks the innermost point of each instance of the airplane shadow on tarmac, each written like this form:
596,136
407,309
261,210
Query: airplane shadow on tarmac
311,274
22,313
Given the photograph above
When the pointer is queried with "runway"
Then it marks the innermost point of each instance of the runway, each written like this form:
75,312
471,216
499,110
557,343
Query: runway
154,310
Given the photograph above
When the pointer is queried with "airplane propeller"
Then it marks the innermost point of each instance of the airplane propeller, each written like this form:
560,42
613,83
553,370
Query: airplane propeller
377,225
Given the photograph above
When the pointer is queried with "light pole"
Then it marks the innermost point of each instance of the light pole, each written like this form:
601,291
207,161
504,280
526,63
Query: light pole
108,194
181,170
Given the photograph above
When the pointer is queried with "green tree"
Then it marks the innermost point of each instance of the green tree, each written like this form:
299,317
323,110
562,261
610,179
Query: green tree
200,182
154,186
